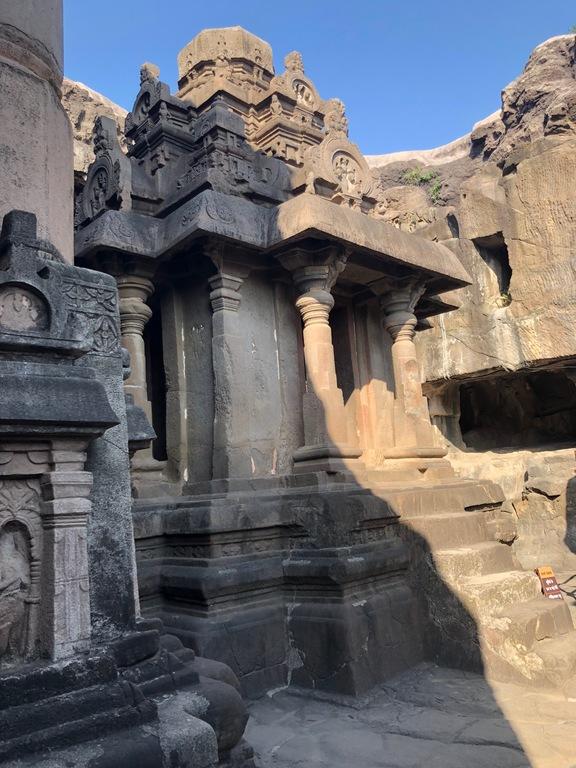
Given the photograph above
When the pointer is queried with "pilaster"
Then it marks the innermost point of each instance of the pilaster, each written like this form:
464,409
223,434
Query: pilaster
64,510
231,455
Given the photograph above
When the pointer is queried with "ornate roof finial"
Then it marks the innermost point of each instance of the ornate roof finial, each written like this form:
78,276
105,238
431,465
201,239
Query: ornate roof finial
293,62
335,121
103,134
149,73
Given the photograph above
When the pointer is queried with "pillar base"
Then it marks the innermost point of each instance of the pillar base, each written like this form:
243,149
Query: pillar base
148,479
414,452
412,469
327,457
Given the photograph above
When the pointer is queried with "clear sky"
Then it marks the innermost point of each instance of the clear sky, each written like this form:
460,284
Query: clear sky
413,73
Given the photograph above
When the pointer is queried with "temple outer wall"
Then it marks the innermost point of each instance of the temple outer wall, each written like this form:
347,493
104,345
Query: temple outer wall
270,387
40,179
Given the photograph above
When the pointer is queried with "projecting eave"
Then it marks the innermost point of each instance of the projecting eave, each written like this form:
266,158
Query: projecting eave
378,249
375,244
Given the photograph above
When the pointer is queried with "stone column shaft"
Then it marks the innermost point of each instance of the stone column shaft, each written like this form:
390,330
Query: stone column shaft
325,421
324,417
134,291
36,161
413,431
134,314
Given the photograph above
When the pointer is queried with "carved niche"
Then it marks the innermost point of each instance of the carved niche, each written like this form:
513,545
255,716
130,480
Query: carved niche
339,163
20,558
21,309
109,181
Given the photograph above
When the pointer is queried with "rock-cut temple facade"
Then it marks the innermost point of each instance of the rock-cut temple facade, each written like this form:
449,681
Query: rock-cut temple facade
219,471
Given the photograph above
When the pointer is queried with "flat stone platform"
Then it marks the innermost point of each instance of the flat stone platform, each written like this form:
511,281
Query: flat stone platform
429,716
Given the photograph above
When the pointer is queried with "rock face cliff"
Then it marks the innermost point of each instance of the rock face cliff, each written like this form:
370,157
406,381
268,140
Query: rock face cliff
83,106
503,200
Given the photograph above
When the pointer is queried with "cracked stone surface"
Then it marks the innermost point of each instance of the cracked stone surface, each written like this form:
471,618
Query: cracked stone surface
433,717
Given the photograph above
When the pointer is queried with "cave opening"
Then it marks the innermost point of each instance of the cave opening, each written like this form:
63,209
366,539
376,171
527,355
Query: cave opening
518,410
494,253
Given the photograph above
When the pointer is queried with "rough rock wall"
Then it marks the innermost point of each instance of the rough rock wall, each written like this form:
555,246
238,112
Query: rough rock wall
83,106
503,201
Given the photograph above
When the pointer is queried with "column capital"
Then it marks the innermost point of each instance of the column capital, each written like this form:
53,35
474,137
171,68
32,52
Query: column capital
134,286
315,271
225,292
398,305
314,307
134,291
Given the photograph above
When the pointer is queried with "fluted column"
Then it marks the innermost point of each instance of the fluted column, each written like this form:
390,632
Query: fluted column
413,431
326,429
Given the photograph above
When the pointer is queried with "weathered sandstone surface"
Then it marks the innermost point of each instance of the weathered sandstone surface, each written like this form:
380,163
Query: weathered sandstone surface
83,106
500,198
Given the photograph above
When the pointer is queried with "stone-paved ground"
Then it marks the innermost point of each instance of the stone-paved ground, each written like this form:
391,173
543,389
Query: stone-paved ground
432,717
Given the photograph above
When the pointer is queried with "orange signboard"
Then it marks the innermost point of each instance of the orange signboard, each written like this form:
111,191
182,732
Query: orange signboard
549,584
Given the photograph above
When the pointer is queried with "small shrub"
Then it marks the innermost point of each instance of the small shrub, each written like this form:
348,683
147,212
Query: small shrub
573,30
435,191
418,177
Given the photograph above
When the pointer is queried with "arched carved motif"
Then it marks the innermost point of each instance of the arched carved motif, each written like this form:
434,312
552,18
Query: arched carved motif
22,309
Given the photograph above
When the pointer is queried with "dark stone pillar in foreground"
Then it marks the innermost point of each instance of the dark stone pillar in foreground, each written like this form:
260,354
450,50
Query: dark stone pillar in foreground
80,677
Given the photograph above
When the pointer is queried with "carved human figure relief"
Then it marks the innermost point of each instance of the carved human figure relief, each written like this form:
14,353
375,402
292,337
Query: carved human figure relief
21,309
14,590
99,191
348,172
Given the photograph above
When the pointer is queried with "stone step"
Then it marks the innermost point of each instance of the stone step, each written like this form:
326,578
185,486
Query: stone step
474,560
567,583
530,623
450,530
559,657
484,595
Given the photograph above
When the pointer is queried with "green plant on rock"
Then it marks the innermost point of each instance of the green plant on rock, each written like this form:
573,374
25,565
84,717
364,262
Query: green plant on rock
573,29
418,177
435,191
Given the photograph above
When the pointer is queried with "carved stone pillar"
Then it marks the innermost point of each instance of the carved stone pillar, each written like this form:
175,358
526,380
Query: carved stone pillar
134,291
413,431
231,456
326,432
65,619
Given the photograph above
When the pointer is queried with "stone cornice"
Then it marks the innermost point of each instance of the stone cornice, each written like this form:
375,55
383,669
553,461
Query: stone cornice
273,230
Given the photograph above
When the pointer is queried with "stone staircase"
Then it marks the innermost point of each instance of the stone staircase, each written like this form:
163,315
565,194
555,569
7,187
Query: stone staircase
486,612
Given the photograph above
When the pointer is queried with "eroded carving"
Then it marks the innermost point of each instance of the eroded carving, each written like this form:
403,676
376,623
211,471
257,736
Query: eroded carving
21,309
15,586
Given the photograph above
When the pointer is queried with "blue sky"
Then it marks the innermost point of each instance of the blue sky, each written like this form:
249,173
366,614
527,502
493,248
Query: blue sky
412,74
